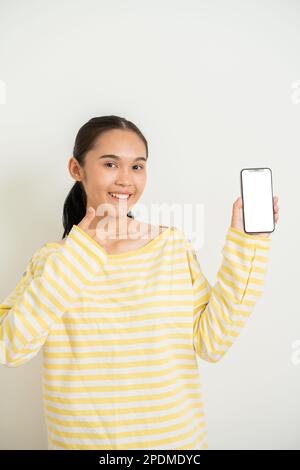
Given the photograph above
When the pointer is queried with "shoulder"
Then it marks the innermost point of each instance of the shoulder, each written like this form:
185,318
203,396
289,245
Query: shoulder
39,257
175,231
175,235
59,242
183,241
179,234
165,231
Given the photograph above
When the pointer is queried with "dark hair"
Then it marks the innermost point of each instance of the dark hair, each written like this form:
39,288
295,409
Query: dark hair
74,208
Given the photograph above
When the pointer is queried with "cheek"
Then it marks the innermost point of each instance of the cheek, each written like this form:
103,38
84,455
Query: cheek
140,180
101,179
143,182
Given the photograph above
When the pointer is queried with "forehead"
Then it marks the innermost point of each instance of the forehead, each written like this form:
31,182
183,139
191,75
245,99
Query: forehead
124,143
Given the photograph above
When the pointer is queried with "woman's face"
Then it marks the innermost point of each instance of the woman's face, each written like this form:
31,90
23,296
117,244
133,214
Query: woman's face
116,164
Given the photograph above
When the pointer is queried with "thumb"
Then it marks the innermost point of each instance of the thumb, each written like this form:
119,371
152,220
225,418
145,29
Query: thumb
238,203
85,222
237,216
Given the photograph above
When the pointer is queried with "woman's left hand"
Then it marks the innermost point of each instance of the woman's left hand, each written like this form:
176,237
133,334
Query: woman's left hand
237,216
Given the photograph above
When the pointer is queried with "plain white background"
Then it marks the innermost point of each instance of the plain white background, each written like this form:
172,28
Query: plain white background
213,87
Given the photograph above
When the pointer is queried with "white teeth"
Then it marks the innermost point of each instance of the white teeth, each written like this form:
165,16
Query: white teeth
120,196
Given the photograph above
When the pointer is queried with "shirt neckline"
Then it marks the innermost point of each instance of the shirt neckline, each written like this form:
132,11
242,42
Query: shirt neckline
141,249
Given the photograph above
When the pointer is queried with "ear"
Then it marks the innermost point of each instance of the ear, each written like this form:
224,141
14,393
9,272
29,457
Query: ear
74,169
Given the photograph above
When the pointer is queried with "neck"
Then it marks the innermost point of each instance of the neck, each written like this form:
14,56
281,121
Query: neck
113,227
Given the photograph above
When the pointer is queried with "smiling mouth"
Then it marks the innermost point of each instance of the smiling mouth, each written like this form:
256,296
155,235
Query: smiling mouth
120,197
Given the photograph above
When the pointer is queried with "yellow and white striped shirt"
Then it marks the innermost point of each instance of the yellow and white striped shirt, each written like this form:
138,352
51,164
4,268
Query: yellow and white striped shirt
120,335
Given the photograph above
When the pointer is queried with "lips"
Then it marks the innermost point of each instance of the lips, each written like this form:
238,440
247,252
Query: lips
120,196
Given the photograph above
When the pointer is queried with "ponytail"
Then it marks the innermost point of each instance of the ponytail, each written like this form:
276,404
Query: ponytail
74,207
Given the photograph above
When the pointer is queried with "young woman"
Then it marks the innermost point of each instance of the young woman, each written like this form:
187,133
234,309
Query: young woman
123,309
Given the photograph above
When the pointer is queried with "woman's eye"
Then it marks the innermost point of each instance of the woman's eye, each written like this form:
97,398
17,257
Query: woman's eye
139,166
109,163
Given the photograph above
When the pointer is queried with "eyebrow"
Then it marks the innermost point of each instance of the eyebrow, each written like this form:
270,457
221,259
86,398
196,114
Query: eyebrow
119,158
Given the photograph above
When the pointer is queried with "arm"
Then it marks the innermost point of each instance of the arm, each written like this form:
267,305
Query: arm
44,293
221,311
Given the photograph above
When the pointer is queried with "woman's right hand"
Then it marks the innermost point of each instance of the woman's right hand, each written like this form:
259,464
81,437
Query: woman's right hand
85,223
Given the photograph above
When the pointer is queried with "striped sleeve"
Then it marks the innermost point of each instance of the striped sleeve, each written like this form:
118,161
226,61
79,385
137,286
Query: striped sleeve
221,311
46,290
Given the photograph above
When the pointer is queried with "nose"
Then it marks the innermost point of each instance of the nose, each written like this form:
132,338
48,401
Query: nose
123,178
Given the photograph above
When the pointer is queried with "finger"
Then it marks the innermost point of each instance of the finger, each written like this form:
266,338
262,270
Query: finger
238,203
85,222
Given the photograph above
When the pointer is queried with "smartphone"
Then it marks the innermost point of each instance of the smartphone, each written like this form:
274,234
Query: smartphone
257,196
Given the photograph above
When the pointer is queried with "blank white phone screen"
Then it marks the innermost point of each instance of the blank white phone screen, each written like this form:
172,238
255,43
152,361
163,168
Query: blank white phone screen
257,200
